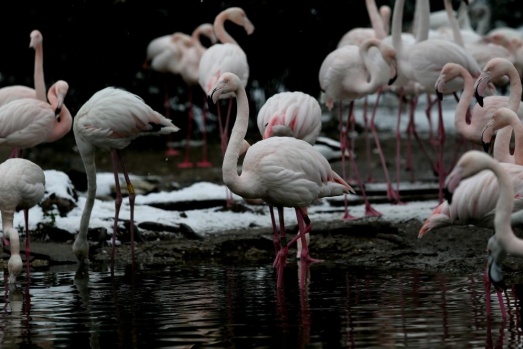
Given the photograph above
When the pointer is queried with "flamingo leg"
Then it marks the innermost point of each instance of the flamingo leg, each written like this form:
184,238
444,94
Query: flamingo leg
204,163
132,197
27,243
344,146
117,200
391,193
281,256
186,163
367,139
274,230
304,224
167,105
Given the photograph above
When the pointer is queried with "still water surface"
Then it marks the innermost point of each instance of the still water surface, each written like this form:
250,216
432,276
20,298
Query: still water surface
239,307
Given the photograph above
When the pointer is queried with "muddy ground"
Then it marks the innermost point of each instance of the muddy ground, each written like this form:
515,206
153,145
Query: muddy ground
365,242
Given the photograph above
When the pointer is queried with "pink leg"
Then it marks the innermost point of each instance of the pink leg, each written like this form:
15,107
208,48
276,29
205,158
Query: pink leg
441,169
186,163
275,231
305,258
344,146
117,200
367,140
391,193
369,210
204,163
281,256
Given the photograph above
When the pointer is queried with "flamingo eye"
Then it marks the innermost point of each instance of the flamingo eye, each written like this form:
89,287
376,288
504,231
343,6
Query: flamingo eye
267,124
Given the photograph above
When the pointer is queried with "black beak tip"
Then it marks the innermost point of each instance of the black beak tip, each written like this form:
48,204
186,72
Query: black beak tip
486,146
393,79
440,95
479,98
447,195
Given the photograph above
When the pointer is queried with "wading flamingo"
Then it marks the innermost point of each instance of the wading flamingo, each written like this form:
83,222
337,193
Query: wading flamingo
291,114
22,186
349,73
504,242
282,171
111,119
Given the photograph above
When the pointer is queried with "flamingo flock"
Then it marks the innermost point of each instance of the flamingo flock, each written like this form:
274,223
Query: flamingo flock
284,168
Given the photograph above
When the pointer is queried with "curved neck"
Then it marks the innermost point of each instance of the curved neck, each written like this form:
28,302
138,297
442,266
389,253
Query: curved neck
219,29
460,118
501,148
454,25
39,73
516,125
375,19
514,98
14,241
373,68
62,125
236,142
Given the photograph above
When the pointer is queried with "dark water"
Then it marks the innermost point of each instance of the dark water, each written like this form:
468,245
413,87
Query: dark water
238,307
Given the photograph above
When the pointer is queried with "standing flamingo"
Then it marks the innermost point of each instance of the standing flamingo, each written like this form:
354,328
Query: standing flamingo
350,73
504,242
10,93
22,186
226,56
165,55
27,122
292,114
282,171
110,120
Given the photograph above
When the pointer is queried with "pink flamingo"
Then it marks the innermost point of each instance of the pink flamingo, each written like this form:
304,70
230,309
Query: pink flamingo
344,76
10,93
110,120
166,53
482,191
290,114
504,242
282,171
27,122
22,186
226,56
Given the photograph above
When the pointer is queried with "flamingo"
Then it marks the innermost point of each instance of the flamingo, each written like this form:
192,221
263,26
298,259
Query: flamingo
165,55
505,117
10,93
226,56
474,201
292,114
22,186
111,119
27,122
282,171
344,76
504,242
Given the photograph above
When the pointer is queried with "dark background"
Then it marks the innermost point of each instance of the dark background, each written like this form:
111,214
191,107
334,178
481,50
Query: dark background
94,44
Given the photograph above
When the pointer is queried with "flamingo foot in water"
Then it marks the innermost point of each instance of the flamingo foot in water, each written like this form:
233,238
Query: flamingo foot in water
172,152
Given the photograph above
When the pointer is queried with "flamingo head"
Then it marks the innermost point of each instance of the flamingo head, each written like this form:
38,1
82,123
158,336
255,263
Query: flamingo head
36,39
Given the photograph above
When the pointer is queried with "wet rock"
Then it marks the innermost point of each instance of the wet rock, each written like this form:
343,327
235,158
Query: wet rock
188,205
182,229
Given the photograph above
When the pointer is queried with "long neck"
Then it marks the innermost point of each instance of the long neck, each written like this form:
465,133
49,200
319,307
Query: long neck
396,28
375,19
460,120
196,40
219,29
454,25
39,73
501,149
14,241
7,219
62,127
514,98
517,126
236,142
504,206
422,20
375,70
